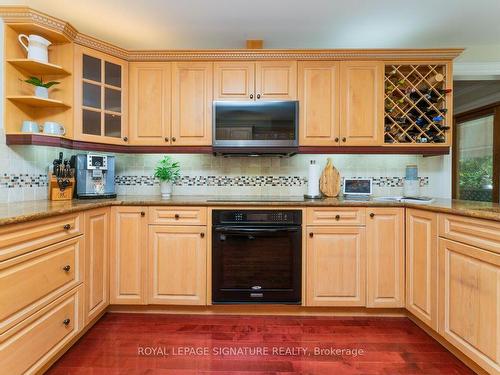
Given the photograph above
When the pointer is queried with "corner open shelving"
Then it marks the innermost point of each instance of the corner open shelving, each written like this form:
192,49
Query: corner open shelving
35,101
38,68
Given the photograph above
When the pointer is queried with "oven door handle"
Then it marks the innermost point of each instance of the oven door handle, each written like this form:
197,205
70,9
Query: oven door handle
229,230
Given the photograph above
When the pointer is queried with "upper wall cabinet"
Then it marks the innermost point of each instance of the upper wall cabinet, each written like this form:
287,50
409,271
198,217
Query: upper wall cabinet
192,103
264,80
361,103
101,97
318,90
150,103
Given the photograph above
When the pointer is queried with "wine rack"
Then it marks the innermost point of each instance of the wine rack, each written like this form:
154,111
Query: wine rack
416,99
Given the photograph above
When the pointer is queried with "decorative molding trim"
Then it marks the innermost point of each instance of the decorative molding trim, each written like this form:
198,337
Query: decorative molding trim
18,14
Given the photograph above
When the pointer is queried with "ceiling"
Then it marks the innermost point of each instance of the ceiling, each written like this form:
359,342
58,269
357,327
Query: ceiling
469,95
198,24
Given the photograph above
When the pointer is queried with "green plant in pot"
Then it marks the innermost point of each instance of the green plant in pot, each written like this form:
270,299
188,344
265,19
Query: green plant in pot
41,88
167,171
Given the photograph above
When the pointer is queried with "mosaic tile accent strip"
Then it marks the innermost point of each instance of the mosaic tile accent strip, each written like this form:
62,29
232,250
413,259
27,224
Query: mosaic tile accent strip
251,181
11,181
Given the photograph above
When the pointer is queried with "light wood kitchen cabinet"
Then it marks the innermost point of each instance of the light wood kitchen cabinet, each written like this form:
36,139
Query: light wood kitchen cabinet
192,95
97,234
101,97
336,266
177,264
234,80
262,80
469,301
362,103
128,255
150,103
318,92
385,257
421,265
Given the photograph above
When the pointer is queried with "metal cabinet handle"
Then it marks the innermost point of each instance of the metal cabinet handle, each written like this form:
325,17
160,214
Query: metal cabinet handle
67,227
66,322
372,214
166,139
344,139
173,139
251,96
177,216
311,234
125,139
143,213
66,268
337,217
202,234
258,96
336,139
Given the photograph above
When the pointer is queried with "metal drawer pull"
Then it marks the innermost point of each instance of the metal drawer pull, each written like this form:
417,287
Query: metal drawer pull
67,227
177,216
311,234
66,268
143,213
337,217
372,214
202,234
66,322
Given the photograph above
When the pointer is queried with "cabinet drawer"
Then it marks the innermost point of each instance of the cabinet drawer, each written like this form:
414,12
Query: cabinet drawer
17,239
28,346
336,216
178,215
30,281
476,232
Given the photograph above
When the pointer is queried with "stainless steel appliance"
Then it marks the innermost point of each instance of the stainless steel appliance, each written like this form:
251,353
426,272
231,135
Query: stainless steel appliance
256,256
260,127
95,176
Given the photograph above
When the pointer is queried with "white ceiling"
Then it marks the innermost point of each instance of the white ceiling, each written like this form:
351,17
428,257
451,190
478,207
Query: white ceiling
186,24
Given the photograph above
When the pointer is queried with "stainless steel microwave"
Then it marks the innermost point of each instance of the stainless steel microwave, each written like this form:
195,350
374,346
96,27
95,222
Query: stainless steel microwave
265,124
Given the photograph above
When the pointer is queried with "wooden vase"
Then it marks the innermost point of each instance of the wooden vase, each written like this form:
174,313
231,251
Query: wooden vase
329,182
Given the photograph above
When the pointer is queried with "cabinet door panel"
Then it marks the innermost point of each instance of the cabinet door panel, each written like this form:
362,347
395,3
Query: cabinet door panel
318,90
191,103
150,101
234,80
336,266
128,255
385,257
361,98
178,263
276,80
96,262
100,97
469,301
421,265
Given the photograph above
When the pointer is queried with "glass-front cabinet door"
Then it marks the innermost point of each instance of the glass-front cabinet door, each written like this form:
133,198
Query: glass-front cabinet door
100,97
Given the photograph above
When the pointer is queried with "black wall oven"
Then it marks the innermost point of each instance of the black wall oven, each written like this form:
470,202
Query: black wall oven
256,256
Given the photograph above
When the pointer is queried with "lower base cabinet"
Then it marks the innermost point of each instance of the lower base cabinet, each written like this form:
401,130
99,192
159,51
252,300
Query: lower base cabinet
177,265
96,224
385,254
469,301
336,266
128,255
28,346
421,265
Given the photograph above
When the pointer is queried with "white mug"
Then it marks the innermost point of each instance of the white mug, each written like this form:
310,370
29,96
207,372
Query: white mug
37,47
30,127
51,127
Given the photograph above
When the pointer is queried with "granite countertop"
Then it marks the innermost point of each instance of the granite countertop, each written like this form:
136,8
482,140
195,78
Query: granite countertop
26,211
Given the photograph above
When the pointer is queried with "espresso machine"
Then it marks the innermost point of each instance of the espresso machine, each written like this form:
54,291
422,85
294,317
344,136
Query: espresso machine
95,176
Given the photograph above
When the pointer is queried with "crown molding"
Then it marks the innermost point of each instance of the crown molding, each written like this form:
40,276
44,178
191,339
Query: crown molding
21,14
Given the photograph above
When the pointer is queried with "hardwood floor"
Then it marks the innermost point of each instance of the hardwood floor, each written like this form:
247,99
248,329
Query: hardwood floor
124,344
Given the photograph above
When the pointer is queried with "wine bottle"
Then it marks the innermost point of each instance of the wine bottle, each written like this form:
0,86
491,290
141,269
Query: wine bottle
435,79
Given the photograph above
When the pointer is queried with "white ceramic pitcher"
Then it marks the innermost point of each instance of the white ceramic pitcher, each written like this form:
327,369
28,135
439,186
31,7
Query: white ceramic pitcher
36,46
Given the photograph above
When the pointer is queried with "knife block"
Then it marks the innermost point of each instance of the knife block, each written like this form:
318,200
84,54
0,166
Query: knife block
56,193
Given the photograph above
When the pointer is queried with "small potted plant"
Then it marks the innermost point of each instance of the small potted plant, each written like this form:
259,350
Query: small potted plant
167,171
41,88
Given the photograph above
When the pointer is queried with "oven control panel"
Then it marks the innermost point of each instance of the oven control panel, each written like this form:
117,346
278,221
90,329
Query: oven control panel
257,217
